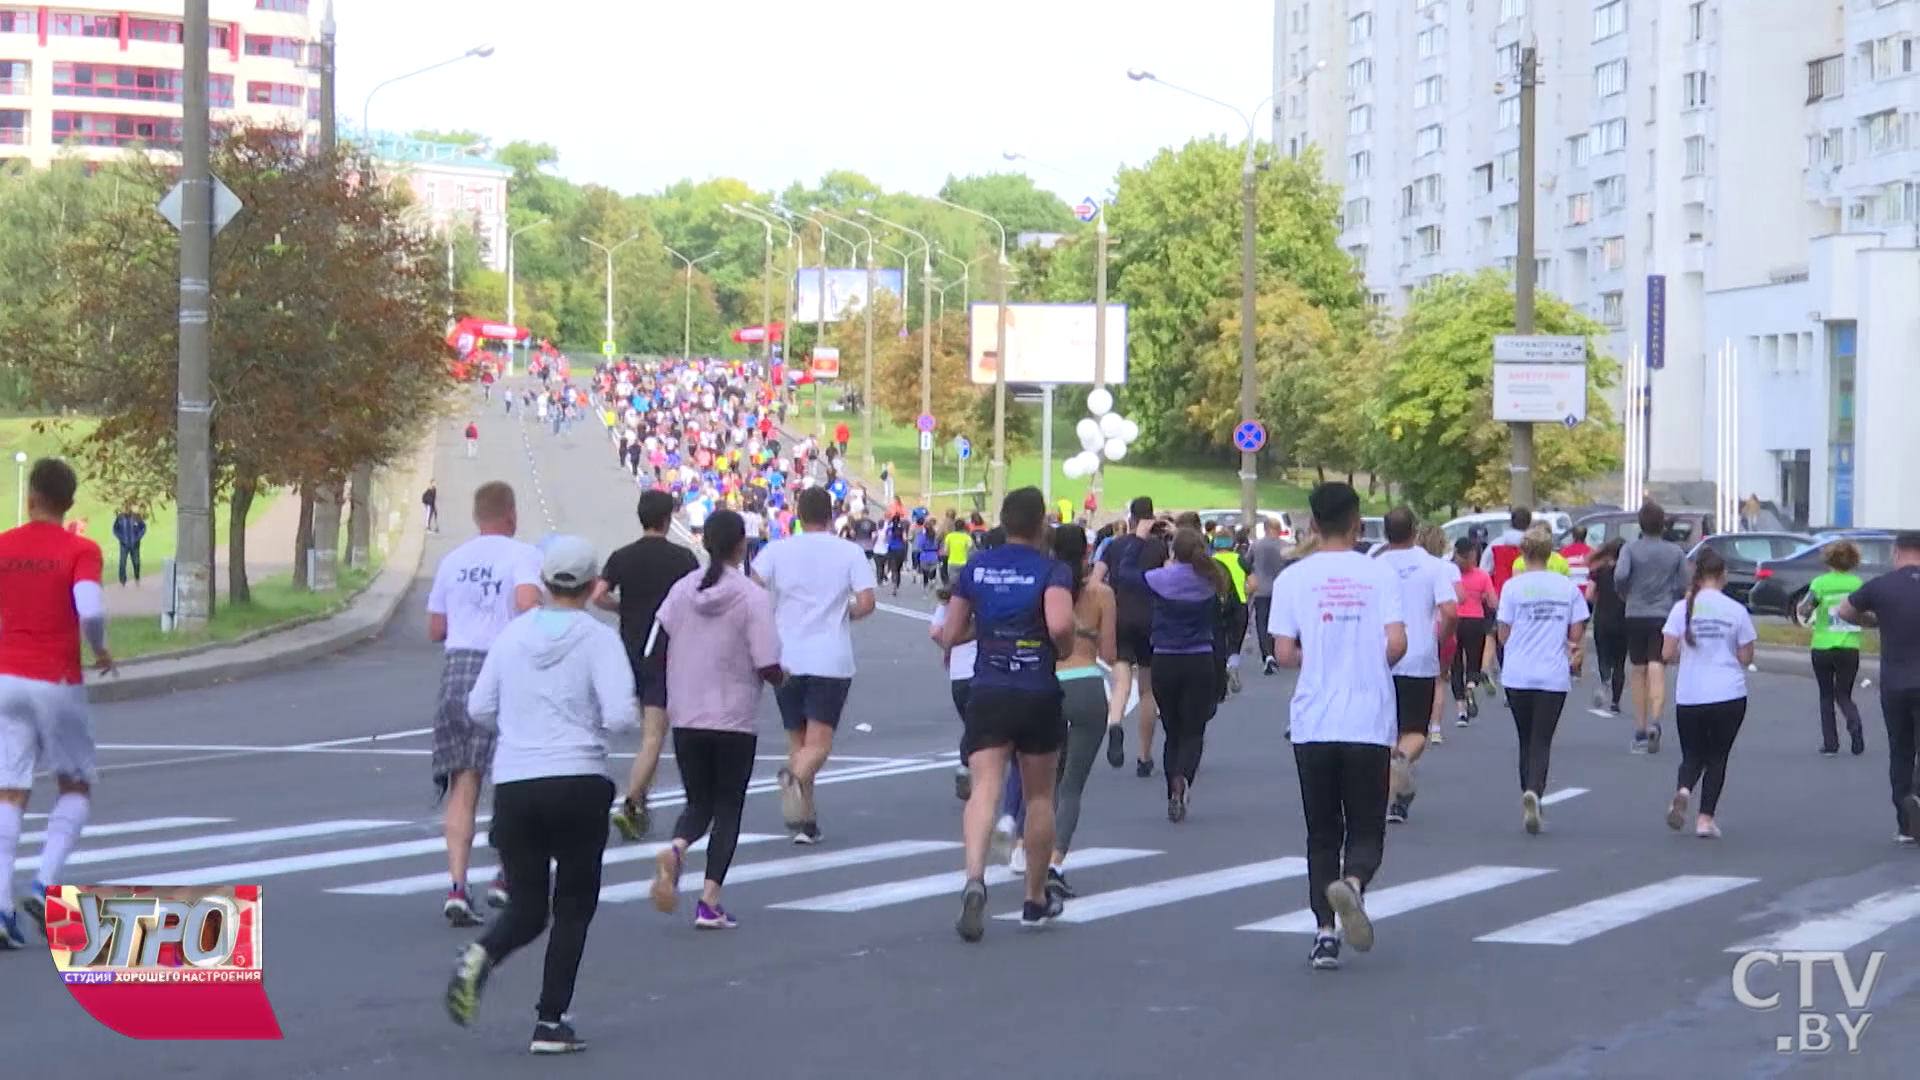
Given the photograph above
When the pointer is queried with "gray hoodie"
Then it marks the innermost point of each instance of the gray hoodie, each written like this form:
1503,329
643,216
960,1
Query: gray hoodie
554,685
1650,576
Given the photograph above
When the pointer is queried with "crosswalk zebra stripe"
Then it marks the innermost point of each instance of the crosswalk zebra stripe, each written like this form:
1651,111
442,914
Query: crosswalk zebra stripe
1412,896
437,881
308,831
1172,891
261,869
127,828
1577,924
1562,795
780,868
904,892
1842,930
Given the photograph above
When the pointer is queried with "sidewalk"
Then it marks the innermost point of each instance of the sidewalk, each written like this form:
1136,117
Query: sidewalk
270,540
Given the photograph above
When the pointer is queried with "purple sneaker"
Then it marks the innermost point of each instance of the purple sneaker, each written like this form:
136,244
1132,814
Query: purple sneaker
712,917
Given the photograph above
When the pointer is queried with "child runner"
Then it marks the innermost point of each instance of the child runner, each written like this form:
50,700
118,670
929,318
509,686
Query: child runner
1711,637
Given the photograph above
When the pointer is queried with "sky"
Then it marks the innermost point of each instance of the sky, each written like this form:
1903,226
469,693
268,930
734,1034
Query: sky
636,94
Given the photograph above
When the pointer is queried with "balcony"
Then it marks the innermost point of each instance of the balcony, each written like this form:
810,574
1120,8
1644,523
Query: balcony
1694,255
1826,78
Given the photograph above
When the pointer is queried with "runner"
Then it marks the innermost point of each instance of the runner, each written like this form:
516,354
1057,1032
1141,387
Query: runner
478,589
1083,691
1836,647
1650,574
1430,608
1229,551
1143,548
1016,601
634,581
1891,602
473,439
1609,626
1336,617
1711,637
1543,619
50,601
820,583
1477,607
1269,557
728,650
1188,595
554,684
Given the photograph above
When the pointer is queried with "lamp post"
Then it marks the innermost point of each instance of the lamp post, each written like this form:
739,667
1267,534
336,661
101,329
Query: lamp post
926,349
866,379
20,487
478,52
766,288
686,317
998,467
609,253
786,281
966,273
511,310
819,310
906,280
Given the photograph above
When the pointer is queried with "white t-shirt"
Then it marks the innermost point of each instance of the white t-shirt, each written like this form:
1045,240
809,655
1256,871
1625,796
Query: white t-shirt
473,587
1540,605
960,659
1424,586
813,577
1710,669
1338,605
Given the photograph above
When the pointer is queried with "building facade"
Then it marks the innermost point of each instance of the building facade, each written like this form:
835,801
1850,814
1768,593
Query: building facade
453,186
1714,177
100,78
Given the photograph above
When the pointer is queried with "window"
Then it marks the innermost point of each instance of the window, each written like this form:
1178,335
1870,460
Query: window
104,129
16,77
1299,20
1609,136
1609,19
1611,193
220,91
1886,132
13,126
281,47
169,33
1579,209
1359,166
1359,74
1696,20
1889,57
1506,220
93,26
220,37
1610,78
1427,92
1577,150
1507,166
1512,9
296,7
1358,213
1694,90
1431,42
1507,60
1613,309
1425,192
1826,78
1483,178
1360,28
19,21
1825,149
114,81
264,93
1359,120
1613,253
1696,153
1427,239
1429,140
1509,113
1901,203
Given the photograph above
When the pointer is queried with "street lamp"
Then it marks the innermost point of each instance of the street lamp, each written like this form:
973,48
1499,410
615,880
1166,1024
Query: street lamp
926,349
820,304
686,320
966,273
20,487
786,286
866,381
999,464
478,52
511,312
608,342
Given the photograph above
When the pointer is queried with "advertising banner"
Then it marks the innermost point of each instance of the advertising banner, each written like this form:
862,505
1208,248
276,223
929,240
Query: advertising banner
846,292
1047,344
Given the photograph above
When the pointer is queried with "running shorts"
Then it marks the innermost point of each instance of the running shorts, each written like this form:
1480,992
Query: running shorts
1413,702
459,745
1135,645
1031,721
44,725
1645,640
811,698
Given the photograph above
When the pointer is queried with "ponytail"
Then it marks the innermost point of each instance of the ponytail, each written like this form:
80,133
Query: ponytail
1191,548
1708,567
723,537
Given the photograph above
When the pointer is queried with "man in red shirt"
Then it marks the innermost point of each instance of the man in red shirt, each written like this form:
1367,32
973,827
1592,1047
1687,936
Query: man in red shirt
1577,553
842,436
49,599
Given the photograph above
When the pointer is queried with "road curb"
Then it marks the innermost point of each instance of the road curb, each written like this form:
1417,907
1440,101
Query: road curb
364,619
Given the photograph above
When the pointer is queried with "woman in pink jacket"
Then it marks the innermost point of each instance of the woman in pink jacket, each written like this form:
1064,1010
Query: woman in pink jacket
725,649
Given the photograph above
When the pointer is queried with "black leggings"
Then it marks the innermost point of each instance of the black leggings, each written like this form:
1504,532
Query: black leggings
1262,611
1186,688
1470,648
1834,671
562,821
715,768
1343,791
1610,656
1901,709
895,562
1536,715
1706,741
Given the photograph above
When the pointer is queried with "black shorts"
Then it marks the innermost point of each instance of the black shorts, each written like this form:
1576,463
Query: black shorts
817,699
1645,641
1413,703
1031,721
1135,645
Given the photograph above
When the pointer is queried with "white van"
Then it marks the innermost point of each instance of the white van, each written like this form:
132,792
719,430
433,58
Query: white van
1497,521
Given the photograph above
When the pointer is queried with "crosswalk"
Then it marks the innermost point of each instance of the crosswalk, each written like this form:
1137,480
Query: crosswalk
356,859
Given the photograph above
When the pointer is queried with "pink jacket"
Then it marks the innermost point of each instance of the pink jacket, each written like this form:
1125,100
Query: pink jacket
721,638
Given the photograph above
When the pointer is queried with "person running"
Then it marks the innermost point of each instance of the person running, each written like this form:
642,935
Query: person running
728,650
1083,690
1543,620
1229,552
478,589
633,583
1124,567
1016,602
1188,594
430,499
1891,602
50,601
1650,575
1336,617
473,439
959,661
1835,647
1430,608
820,585
555,683
1269,556
1609,626
1711,637
955,547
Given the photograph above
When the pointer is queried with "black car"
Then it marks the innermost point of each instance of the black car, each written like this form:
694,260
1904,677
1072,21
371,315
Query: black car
1780,584
1744,552
1684,526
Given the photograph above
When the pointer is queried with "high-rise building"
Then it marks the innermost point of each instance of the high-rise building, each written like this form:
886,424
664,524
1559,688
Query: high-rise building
1715,179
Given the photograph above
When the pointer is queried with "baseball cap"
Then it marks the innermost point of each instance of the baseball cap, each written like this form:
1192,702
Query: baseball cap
569,562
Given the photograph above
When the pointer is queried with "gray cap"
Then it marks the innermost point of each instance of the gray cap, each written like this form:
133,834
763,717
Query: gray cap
569,562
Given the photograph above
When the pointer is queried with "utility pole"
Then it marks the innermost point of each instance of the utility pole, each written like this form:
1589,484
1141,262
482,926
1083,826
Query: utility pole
866,379
1521,484
324,574
1249,359
819,338
193,488
999,465
1099,332
766,304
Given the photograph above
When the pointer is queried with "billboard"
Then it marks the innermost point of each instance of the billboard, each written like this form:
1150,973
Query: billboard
1046,343
846,291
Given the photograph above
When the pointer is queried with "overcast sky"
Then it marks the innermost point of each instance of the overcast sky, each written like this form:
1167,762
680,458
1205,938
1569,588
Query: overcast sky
639,93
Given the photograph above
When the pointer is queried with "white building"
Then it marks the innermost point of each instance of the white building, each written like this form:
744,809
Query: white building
1755,159
452,185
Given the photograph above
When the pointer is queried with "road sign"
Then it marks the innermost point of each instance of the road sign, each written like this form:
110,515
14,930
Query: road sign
962,447
607,348
1087,210
926,441
1250,437
925,423
1571,421
1539,349
1539,393
225,205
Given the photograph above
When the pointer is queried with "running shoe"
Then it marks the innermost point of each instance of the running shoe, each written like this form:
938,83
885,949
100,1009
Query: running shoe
972,924
808,834
1001,846
497,896
666,879
10,935
712,917
1035,914
34,904
1707,830
1829,751
555,1038
1326,953
1177,801
1903,838
1401,772
1354,924
1677,810
1436,735
1396,813
1911,804
1859,743
458,910
1116,756
1057,884
469,979
963,784
1270,666
1653,738
1143,769
632,819
793,803
1473,708
1639,743
1233,681
1017,862
1530,812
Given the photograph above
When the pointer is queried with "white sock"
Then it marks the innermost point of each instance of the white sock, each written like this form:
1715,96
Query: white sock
64,822
9,846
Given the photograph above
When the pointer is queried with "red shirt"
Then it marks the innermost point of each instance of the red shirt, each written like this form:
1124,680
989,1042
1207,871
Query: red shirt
473,431
841,434
39,628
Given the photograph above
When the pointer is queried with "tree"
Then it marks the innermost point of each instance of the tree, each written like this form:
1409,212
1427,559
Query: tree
1441,442
1012,198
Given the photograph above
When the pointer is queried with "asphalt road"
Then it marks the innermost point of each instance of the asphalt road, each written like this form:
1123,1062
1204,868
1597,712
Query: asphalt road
1600,949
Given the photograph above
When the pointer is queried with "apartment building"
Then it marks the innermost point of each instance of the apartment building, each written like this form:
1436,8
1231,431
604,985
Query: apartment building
453,186
1714,177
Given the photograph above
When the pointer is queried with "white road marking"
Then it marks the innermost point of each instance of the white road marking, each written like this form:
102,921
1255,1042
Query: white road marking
1174,890
1562,795
1576,924
417,884
309,830
124,828
1845,929
409,734
904,892
781,868
1412,896
904,612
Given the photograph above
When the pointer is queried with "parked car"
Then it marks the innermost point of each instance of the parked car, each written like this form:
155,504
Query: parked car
1496,522
1272,522
1684,526
1780,584
1744,552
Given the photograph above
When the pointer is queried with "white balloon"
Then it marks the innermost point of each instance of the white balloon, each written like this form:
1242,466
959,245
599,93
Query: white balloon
1089,434
1116,450
1100,402
1129,430
1091,459
1071,467
1111,425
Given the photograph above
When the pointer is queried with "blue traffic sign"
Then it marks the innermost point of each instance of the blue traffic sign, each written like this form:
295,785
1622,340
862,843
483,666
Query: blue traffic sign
1087,210
1250,437
962,447
925,423
1571,421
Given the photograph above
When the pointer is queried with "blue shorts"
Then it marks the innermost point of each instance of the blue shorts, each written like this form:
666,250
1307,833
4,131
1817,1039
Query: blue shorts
815,699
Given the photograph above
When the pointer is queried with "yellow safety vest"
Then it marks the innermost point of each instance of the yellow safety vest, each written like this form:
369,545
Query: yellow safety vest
1231,560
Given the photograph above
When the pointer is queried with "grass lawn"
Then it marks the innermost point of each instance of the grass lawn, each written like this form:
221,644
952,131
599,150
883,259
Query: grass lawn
1799,637
17,434
275,603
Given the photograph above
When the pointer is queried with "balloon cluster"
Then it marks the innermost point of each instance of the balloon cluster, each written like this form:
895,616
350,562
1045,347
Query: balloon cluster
1104,434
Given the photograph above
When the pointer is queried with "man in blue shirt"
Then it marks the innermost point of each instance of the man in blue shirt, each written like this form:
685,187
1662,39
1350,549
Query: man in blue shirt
1016,602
